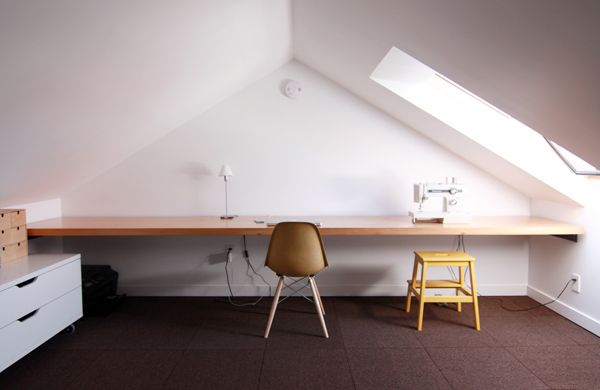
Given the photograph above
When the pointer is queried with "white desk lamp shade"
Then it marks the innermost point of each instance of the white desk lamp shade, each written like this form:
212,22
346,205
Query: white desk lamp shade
226,171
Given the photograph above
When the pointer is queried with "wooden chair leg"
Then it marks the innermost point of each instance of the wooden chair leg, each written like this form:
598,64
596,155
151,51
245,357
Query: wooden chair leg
274,306
319,297
422,295
474,292
412,284
318,306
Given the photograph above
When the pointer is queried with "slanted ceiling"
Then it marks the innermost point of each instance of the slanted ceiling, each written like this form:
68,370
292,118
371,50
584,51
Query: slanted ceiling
85,84
536,60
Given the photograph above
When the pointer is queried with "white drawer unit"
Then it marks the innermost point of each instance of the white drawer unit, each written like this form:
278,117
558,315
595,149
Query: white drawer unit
40,295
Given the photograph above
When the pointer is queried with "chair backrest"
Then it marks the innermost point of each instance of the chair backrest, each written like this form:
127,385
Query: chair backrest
296,249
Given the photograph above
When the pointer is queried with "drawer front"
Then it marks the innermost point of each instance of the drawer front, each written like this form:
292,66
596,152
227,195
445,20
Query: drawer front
13,251
13,235
5,219
24,335
11,218
32,294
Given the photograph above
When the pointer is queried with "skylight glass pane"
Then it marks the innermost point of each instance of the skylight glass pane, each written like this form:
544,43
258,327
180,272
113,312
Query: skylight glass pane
577,165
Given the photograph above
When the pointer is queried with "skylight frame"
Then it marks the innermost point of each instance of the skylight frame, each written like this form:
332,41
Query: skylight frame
564,158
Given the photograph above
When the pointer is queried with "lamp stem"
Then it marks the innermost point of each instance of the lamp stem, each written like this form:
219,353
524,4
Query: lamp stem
226,200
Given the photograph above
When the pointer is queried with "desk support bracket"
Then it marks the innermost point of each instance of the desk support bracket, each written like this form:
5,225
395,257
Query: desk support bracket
569,237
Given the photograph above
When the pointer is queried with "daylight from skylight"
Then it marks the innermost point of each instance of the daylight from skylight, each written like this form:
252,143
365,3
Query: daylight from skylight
470,115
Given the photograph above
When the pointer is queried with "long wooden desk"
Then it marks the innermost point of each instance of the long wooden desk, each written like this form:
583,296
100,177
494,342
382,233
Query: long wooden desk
334,226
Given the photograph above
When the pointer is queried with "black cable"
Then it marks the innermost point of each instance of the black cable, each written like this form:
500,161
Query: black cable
461,243
247,257
539,304
464,249
231,296
227,274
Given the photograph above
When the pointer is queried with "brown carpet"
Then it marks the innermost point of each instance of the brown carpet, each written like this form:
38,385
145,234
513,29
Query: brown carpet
205,343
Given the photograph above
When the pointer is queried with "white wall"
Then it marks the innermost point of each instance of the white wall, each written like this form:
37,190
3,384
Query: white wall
326,153
87,83
553,261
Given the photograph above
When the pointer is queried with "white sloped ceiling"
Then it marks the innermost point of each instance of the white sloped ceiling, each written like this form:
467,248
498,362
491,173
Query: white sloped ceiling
85,84
537,60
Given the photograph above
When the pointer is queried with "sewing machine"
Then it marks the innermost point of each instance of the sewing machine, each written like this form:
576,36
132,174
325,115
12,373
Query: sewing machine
451,191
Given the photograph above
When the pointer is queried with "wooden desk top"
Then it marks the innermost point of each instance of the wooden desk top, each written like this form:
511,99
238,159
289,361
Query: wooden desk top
333,226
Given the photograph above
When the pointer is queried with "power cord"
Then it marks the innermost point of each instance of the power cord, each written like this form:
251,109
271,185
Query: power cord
246,256
539,304
461,245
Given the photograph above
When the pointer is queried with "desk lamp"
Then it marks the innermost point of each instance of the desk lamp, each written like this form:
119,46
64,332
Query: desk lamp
226,173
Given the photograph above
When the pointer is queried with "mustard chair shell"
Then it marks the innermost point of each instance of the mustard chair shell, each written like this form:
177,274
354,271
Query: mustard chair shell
296,250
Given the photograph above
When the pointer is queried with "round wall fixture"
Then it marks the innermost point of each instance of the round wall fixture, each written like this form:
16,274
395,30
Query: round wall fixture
292,89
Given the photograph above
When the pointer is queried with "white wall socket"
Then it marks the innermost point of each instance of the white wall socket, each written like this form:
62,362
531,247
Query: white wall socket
576,286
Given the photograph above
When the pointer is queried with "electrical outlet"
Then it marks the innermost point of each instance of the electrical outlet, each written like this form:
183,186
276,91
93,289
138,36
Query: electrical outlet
576,286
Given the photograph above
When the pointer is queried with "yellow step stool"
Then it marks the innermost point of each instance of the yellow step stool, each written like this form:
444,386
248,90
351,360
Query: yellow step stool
441,259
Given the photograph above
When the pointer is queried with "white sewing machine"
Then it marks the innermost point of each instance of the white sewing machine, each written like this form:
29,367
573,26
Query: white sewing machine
450,212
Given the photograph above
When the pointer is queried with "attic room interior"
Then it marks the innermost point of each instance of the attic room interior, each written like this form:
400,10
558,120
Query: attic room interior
272,194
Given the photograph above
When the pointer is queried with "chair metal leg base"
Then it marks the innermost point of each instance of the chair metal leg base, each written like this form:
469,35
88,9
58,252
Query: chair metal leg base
316,300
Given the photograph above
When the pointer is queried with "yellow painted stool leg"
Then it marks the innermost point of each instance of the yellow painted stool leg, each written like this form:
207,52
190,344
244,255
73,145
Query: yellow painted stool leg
422,296
474,292
461,279
412,284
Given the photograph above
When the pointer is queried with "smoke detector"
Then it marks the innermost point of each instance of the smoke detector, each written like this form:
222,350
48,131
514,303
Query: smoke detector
292,89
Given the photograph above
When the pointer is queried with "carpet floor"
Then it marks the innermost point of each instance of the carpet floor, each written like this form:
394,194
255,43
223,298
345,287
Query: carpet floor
206,343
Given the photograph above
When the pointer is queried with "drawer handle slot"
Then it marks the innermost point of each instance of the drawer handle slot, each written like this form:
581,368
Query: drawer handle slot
28,316
27,282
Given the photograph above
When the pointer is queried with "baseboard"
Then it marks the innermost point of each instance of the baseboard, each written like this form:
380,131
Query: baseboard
365,290
184,290
578,317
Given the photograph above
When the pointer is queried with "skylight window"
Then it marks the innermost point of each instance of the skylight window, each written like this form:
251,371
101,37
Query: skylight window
577,165
474,117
